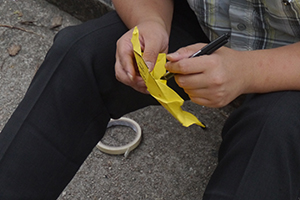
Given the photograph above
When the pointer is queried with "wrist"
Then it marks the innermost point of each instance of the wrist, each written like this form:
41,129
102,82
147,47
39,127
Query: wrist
245,72
155,21
265,71
141,11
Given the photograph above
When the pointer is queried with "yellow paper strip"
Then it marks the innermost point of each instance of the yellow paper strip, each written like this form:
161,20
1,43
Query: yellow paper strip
158,88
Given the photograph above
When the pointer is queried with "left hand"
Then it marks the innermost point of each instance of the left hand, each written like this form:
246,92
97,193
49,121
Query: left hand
154,39
211,80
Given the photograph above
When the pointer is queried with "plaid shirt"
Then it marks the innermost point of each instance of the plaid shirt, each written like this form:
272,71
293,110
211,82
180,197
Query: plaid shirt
254,24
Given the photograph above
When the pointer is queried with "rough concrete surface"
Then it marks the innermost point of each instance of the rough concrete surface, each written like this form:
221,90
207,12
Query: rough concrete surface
172,162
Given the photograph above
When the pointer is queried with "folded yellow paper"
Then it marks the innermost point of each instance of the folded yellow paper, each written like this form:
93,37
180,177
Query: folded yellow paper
158,88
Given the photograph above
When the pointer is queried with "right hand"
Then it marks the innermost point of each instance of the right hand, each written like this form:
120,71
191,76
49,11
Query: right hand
212,80
154,39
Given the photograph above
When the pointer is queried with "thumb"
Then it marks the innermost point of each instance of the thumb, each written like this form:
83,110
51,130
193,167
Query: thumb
150,56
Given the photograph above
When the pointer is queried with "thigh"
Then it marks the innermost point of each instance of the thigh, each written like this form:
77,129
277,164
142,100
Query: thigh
259,157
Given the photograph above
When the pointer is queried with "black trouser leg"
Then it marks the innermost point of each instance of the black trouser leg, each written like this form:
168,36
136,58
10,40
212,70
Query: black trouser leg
260,156
57,124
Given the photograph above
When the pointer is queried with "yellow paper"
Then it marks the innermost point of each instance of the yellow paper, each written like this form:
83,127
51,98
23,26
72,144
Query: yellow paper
158,88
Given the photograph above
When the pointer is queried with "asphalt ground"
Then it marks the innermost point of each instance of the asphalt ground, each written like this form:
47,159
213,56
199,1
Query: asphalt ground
171,162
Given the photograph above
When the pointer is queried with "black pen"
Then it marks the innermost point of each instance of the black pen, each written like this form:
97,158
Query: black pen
206,50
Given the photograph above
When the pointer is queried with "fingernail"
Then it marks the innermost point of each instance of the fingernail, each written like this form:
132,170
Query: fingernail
130,76
149,65
172,55
167,64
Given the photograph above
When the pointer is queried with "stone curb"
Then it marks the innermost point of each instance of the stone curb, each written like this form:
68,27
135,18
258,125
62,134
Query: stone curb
84,10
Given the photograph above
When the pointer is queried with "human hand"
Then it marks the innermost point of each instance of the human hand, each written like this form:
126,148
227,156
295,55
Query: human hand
210,80
154,39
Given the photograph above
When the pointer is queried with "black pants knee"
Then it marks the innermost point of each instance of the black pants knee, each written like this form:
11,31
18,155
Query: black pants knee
260,156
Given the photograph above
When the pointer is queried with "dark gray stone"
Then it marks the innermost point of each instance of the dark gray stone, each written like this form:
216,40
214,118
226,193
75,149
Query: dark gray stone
84,10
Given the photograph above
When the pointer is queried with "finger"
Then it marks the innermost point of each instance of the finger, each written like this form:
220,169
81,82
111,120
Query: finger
125,58
151,49
127,79
136,82
208,102
141,86
207,97
184,52
179,54
203,102
150,56
199,99
122,75
188,65
192,81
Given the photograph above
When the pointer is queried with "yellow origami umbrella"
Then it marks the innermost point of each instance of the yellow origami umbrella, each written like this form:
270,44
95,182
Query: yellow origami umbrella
158,88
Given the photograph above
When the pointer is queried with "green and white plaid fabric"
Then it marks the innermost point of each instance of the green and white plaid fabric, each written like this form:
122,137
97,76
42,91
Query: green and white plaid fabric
253,24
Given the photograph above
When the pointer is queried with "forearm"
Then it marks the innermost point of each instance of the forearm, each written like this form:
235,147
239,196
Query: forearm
274,69
134,12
